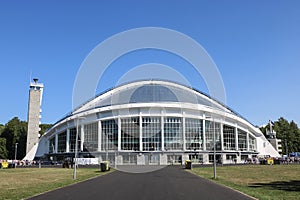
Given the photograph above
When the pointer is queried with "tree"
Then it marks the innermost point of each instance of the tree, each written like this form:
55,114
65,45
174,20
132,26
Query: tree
15,131
44,128
288,132
3,151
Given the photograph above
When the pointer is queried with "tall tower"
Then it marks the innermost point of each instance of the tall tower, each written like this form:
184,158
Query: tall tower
34,110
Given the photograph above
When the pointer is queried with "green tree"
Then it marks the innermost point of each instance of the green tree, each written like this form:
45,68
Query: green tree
44,128
15,131
288,132
3,151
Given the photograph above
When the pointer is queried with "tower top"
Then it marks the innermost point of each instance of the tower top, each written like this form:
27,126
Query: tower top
35,85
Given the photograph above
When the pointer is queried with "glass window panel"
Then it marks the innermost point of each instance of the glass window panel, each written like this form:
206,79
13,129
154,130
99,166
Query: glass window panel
193,134
130,133
151,133
229,137
210,129
61,146
91,137
173,133
242,137
109,135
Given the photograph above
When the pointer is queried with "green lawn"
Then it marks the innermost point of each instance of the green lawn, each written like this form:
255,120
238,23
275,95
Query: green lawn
264,182
22,183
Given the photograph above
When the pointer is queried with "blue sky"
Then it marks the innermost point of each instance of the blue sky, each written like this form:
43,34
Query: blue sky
255,44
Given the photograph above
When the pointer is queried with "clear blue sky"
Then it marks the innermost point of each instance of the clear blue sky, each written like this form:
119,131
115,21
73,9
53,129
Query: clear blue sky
255,44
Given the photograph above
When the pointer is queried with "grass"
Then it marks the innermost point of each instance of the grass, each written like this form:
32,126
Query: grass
263,182
22,183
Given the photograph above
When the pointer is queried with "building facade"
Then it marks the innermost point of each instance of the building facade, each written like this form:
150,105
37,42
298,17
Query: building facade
154,122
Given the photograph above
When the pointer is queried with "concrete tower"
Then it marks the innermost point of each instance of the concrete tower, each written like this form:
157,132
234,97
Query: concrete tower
34,110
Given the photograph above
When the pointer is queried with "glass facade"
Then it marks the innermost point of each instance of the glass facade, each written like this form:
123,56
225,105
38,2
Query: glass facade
151,133
229,137
154,122
52,145
242,137
210,129
173,139
109,135
91,137
130,134
193,134
252,143
73,140
61,146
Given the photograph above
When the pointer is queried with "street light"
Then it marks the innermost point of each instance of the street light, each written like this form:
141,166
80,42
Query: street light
76,146
16,149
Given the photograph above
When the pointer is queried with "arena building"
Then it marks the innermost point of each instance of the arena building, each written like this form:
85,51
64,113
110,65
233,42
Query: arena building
154,122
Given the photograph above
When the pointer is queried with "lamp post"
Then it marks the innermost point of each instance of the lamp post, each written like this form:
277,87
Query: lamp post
16,149
76,146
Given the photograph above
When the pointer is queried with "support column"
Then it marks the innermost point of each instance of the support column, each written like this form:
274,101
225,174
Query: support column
119,133
162,133
236,138
56,143
141,132
81,137
183,131
222,136
99,135
68,141
247,140
204,132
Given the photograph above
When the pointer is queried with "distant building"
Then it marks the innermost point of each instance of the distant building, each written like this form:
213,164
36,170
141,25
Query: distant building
34,110
154,123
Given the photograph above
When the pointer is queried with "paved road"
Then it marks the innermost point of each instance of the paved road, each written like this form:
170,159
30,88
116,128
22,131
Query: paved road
168,183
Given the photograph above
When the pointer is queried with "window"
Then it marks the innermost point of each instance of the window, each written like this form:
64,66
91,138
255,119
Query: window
210,129
91,137
242,137
193,134
173,133
129,159
130,132
229,137
73,139
151,133
109,135
52,145
252,143
61,147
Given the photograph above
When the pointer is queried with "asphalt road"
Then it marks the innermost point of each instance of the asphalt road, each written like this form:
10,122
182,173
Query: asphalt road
168,183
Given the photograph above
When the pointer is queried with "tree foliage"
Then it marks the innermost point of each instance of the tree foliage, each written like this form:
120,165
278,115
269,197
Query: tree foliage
15,131
288,132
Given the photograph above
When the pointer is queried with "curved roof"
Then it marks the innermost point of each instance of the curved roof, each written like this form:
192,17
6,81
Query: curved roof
151,91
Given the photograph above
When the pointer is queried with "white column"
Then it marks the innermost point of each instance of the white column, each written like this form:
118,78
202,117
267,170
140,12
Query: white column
81,137
119,133
56,143
68,141
236,138
222,136
162,132
141,132
183,131
204,137
99,135
247,140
